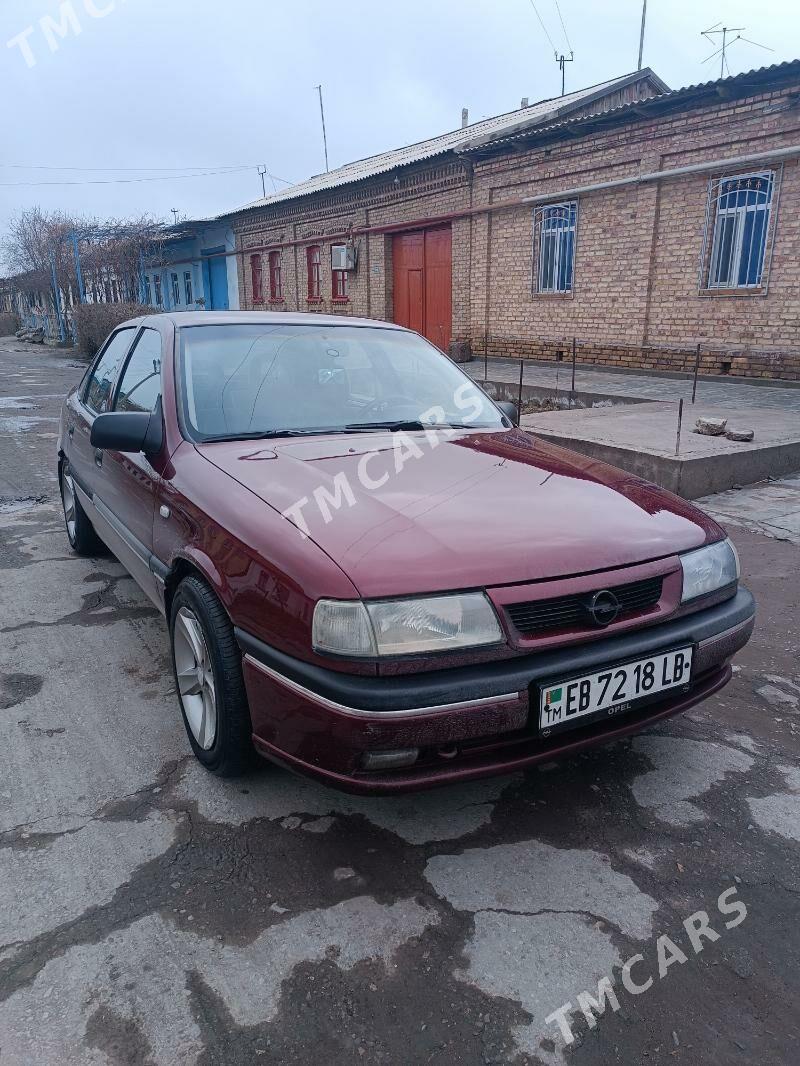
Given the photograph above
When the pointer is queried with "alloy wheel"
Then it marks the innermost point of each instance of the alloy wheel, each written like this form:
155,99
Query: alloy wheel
195,676
68,500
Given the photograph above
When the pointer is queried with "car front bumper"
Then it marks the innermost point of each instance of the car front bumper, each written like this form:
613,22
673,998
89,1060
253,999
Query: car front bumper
470,721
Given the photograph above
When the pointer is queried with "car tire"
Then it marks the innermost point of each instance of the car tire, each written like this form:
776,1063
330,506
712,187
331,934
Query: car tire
82,538
207,666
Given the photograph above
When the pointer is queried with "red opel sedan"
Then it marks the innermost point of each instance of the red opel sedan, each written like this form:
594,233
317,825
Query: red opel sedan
370,574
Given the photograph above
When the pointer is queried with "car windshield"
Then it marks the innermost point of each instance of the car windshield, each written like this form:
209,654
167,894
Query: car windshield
257,379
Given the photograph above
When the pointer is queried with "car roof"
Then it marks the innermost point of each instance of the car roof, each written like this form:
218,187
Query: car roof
288,318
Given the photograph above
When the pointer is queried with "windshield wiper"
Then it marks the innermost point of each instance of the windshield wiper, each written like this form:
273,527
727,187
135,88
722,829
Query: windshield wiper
266,434
412,424
397,425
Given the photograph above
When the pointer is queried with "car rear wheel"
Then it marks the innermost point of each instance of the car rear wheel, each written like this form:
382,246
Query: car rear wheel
82,537
208,675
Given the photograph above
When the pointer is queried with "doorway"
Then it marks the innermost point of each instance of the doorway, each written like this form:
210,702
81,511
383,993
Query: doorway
423,283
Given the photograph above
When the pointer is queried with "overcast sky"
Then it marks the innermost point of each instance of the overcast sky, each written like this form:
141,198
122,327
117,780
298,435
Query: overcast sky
200,84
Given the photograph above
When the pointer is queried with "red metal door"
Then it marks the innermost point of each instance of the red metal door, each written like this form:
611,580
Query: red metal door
423,283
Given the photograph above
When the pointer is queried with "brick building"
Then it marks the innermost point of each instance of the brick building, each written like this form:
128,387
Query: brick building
641,221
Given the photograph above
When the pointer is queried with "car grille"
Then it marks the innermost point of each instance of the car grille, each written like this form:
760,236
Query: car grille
572,612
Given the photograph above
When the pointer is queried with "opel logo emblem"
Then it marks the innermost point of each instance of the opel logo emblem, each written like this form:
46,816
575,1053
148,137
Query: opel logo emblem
604,607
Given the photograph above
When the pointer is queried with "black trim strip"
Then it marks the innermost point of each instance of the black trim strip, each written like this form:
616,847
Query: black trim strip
160,570
496,678
151,561
84,489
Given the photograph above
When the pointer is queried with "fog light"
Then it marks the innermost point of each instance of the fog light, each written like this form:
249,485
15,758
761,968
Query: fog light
389,760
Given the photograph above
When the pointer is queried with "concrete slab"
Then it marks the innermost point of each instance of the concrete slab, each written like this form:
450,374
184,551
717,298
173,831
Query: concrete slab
772,509
559,393
641,439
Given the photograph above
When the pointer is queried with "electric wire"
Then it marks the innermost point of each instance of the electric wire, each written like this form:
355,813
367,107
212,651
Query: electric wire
563,27
541,23
124,181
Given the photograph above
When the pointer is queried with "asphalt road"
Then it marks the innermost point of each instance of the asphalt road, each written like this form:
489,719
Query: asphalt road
150,914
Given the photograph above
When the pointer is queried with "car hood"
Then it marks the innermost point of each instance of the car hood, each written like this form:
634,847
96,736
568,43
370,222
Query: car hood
411,513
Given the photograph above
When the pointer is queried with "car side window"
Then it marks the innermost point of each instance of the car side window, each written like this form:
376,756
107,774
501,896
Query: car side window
140,385
101,380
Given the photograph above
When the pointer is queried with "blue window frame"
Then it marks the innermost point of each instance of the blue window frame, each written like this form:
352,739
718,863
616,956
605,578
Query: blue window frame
556,224
742,207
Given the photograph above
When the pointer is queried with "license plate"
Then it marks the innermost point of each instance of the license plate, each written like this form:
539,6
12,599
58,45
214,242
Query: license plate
614,690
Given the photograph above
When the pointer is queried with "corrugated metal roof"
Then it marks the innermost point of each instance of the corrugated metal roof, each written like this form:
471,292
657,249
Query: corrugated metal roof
665,99
534,115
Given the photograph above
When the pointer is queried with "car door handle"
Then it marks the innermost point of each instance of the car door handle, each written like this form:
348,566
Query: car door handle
98,456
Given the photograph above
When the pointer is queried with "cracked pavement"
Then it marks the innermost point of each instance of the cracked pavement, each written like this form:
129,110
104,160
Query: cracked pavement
152,915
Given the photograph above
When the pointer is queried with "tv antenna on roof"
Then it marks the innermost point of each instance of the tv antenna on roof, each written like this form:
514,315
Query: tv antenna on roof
562,60
720,31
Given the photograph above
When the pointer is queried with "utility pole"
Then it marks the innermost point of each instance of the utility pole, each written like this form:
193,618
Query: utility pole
641,33
262,170
324,136
174,211
562,60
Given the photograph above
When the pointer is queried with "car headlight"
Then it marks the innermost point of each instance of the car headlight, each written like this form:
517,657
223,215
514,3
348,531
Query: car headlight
405,627
708,569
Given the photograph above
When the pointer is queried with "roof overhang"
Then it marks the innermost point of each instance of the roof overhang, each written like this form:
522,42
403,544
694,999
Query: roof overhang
709,93
523,126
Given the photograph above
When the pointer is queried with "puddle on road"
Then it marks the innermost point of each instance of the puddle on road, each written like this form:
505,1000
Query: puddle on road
23,424
19,504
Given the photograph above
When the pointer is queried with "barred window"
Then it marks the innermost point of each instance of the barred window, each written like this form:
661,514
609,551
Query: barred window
740,209
554,229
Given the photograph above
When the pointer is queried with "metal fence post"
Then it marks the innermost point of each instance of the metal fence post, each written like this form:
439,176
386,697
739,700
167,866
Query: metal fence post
574,350
142,291
56,300
680,419
78,271
696,370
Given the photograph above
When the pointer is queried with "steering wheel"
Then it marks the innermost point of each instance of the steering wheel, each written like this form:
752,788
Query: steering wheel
380,406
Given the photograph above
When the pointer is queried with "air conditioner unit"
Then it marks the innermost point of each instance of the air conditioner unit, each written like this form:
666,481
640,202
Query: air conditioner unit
343,257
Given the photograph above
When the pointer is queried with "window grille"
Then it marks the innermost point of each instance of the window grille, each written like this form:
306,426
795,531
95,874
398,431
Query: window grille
554,230
738,231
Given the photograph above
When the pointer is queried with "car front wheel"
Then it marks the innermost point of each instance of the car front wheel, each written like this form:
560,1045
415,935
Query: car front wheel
208,675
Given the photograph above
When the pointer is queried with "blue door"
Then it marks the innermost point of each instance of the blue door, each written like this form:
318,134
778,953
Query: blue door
215,278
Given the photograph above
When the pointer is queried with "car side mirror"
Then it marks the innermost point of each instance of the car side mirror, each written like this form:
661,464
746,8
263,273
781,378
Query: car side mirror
509,410
129,431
